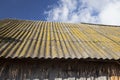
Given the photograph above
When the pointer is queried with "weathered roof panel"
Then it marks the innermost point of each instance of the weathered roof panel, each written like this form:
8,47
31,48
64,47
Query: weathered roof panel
38,39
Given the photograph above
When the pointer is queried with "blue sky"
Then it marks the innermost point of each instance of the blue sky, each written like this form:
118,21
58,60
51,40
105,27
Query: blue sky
25,9
74,11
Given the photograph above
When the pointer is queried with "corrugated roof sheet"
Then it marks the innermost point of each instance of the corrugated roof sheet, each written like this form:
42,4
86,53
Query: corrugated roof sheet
37,39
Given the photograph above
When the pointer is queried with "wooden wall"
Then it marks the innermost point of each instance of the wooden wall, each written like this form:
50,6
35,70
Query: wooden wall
58,69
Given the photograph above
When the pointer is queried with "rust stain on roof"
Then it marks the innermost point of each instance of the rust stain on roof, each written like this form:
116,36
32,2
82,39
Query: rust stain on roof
38,39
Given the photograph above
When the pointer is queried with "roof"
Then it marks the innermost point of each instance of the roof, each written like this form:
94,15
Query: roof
40,39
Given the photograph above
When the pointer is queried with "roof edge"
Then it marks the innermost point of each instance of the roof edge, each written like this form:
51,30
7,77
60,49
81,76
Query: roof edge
61,22
101,24
69,59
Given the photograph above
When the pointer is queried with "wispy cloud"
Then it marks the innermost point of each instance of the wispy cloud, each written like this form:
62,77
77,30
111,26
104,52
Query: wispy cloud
90,11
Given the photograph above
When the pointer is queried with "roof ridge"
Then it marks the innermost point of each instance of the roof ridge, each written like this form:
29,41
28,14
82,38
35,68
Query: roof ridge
101,24
62,22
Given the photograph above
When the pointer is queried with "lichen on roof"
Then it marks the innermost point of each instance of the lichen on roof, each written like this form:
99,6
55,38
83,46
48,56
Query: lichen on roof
41,39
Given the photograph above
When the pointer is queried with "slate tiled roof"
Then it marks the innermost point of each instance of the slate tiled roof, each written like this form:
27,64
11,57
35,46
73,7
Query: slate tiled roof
40,39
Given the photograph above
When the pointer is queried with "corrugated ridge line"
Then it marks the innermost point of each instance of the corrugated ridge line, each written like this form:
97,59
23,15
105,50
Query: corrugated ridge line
102,51
17,43
57,43
8,29
111,48
14,50
76,51
66,44
2,34
108,50
109,39
47,47
43,54
55,39
40,37
2,38
19,52
104,34
54,47
73,53
4,26
84,38
110,31
65,40
50,35
63,37
111,36
97,46
36,46
71,31
88,44
80,55
21,35
8,45
76,34
3,23
47,43
30,50
27,44
42,43
61,52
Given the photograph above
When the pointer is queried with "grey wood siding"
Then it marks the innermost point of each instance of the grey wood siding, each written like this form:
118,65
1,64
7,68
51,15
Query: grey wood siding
58,70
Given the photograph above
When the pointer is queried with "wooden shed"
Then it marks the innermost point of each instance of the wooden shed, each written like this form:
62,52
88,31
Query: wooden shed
40,50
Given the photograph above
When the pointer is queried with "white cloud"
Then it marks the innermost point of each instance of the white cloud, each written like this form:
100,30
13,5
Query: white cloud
90,11
111,14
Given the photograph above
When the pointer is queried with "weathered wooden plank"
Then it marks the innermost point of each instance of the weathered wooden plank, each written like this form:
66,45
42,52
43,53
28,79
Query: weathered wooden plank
58,70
